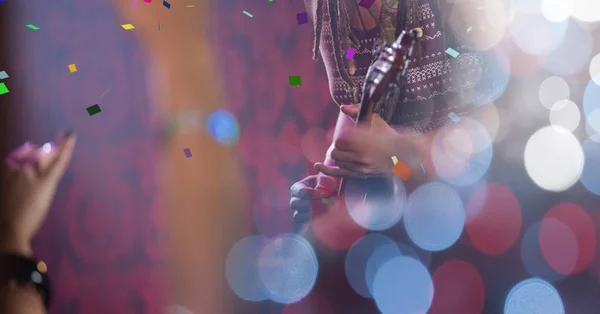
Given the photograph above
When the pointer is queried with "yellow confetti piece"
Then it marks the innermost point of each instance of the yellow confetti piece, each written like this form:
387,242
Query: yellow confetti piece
127,26
189,6
483,28
72,67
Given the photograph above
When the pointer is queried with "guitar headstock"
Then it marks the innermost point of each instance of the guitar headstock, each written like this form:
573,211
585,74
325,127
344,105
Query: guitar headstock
391,64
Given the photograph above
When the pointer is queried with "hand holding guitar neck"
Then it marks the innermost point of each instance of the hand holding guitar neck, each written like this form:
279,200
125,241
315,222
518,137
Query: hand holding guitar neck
386,73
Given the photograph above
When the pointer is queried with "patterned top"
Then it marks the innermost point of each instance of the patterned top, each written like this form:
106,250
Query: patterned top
435,82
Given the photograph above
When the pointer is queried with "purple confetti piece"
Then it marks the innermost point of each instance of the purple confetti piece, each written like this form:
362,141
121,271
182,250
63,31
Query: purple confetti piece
188,152
302,18
350,53
366,3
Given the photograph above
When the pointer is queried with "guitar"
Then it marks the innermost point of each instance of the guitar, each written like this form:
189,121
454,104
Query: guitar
384,81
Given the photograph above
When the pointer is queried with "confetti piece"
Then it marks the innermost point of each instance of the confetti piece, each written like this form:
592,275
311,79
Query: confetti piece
104,93
402,170
295,81
469,29
302,18
423,168
395,159
453,53
93,109
366,3
3,75
483,28
350,53
248,13
159,27
187,152
35,28
189,6
455,118
326,201
166,4
72,68
3,89
127,26
147,1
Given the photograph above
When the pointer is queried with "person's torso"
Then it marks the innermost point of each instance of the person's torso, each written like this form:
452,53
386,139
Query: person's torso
432,84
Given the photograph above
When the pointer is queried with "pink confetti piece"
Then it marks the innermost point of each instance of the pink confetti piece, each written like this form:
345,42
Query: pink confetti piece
350,53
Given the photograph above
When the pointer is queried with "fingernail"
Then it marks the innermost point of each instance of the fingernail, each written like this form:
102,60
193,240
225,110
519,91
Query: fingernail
69,133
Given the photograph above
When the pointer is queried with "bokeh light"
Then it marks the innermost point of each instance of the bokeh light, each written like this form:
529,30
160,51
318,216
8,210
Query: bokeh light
559,245
416,253
552,90
548,35
288,268
403,286
565,114
557,10
553,158
378,258
223,127
241,269
335,228
458,288
494,219
435,216
314,144
462,154
568,238
595,69
494,78
379,206
358,256
573,54
532,257
591,105
587,10
590,177
533,296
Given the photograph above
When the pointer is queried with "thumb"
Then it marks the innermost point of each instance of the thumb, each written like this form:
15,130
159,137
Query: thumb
350,110
63,158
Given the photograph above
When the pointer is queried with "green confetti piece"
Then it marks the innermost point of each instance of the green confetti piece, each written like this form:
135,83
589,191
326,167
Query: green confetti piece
327,201
93,109
454,117
35,28
248,13
453,53
3,89
295,81
395,159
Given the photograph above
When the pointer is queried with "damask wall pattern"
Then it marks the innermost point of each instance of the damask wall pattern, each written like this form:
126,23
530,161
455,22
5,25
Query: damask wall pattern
104,238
